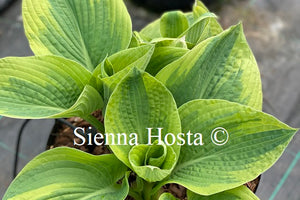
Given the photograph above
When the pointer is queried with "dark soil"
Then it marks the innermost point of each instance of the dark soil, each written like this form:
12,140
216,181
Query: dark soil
62,135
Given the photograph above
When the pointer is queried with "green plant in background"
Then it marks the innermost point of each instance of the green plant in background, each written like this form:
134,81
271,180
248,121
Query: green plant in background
181,74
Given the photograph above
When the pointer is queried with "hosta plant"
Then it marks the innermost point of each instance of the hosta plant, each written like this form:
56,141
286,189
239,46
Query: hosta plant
183,96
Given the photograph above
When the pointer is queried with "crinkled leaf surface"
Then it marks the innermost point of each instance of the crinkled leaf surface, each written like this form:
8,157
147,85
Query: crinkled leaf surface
222,67
239,193
167,196
255,141
65,173
140,102
46,87
84,31
163,56
173,23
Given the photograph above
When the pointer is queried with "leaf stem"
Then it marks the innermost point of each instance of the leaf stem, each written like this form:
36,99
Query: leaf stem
95,122
147,190
135,195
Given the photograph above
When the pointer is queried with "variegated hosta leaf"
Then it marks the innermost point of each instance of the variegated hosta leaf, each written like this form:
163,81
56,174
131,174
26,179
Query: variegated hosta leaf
239,193
122,63
84,31
167,196
152,163
199,9
133,57
173,23
201,25
65,173
152,30
204,27
239,143
46,87
222,67
140,102
163,56
169,42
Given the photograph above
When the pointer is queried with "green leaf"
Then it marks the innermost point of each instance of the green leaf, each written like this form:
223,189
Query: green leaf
152,30
163,56
253,143
84,31
138,57
140,102
240,193
169,42
199,9
222,67
173,23
122,63
65,173
167,196
46,87
152,163
204,27
135,41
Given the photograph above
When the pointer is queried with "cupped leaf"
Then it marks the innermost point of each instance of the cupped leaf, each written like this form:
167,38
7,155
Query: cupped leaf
222,67
152,30
167,196
121,63
112,66
46,87
137,40
65,173
84,31
173,23
163,56
239,143
239,193
134,57
140,104
152,163
204,27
